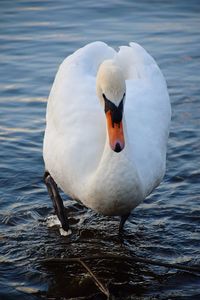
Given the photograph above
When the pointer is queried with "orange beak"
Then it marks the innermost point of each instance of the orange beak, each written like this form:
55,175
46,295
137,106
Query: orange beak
115,133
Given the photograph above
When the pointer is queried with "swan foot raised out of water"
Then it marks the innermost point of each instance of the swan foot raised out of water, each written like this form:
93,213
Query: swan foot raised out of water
57,201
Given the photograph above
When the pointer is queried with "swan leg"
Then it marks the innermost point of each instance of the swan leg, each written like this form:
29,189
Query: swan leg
122,222
57,200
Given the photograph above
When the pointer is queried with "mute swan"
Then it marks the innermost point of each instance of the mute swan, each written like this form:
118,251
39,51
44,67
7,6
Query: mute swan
107,126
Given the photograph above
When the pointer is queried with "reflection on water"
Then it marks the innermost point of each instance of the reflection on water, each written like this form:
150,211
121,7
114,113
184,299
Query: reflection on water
35,36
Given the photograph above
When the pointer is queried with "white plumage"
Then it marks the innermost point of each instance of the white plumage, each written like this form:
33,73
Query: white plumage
77,152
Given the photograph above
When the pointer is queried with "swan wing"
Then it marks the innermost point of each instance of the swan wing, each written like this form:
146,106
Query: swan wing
75,131
148,113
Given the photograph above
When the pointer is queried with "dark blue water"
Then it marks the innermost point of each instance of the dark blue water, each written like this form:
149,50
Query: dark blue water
35,36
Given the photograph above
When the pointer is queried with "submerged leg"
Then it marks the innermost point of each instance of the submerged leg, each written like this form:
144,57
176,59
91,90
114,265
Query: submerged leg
57,200
122,222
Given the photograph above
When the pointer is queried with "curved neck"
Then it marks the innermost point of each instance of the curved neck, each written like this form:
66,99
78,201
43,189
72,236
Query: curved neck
114,179
117,164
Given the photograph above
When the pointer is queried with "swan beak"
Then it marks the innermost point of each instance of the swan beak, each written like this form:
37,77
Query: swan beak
115,133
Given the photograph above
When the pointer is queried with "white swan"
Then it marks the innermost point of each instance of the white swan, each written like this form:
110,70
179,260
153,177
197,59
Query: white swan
108,117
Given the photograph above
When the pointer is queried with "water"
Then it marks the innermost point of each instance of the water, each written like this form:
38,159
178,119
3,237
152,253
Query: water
35,36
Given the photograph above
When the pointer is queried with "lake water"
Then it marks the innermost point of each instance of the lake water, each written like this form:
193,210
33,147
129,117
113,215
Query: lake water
35,36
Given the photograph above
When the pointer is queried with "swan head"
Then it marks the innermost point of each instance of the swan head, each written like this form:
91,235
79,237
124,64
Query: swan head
111,91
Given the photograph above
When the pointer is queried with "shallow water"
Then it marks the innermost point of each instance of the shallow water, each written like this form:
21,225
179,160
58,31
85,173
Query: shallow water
35,36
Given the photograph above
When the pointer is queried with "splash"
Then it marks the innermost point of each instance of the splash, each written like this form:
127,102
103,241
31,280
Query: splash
52,221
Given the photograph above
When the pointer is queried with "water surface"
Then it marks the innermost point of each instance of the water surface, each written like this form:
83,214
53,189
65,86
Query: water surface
35,36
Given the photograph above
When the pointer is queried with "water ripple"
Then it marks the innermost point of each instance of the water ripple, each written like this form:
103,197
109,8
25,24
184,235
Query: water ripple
35,37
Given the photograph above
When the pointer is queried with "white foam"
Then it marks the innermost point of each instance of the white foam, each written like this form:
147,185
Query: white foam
65,233
52,221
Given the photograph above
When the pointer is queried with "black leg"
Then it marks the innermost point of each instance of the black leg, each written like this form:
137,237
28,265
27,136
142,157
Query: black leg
122,222
57,200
